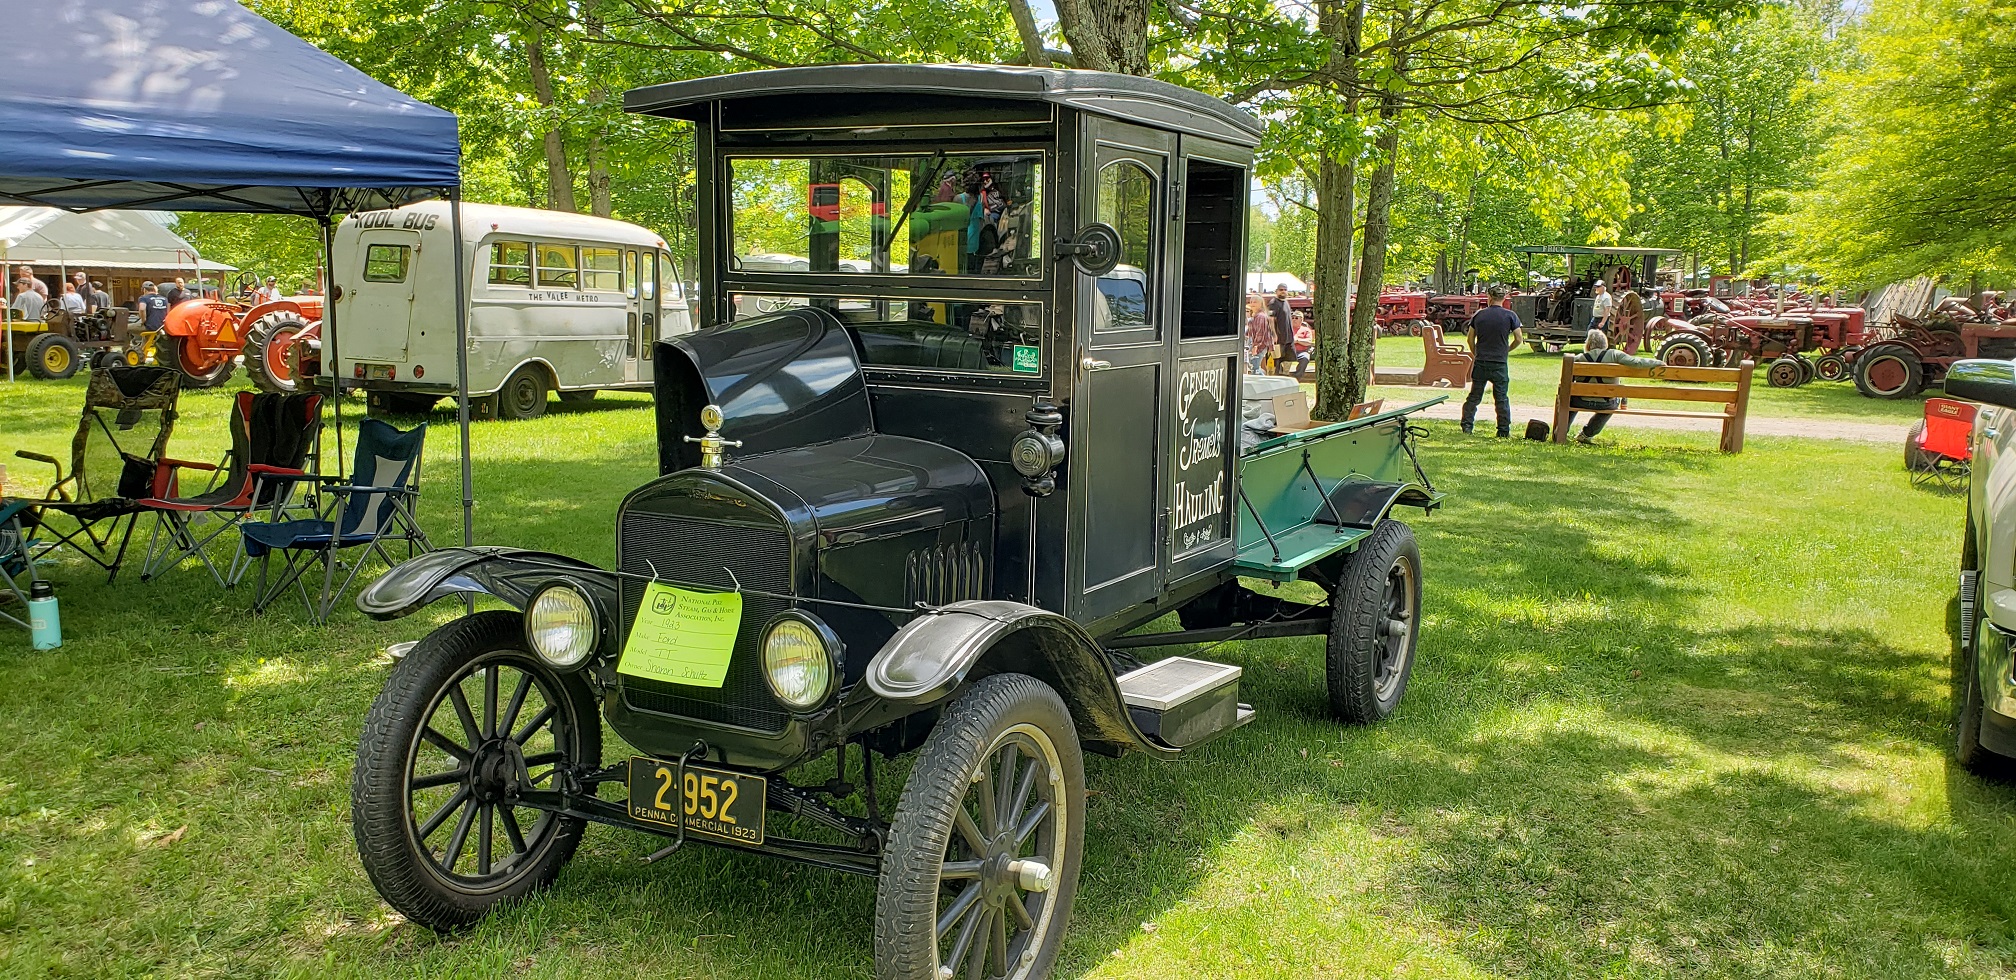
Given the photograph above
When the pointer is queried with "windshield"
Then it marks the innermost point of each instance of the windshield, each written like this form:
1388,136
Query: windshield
941,214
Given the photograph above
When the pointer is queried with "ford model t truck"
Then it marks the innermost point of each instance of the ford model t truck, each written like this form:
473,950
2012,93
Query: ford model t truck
920,505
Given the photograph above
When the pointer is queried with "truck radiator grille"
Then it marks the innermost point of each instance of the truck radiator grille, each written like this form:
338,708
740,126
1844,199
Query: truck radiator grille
944,573
687,552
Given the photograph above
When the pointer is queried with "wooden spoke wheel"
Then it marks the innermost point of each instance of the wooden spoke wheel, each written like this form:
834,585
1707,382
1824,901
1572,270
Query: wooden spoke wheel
467,722
983,853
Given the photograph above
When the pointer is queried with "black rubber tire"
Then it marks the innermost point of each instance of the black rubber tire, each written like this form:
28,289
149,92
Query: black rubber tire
53,357
380,798
1914,371
1917,460
908,890
192,378
1689,346
1367,674
1785,372
523,395
281,326
1831,367
582,397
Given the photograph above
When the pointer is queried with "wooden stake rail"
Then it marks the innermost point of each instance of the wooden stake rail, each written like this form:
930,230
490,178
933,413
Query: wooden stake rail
1587,379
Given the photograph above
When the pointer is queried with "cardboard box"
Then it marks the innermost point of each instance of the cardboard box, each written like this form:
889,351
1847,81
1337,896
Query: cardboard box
1291,410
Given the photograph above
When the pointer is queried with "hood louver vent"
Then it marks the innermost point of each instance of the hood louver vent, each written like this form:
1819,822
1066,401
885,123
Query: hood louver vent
945,573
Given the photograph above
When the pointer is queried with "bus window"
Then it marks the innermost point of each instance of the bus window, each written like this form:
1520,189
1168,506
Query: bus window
601,268
647,276
557,266
630,285
510,264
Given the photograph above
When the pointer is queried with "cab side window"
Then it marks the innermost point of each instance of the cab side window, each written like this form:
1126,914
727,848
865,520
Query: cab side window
558,267
1127,202
510,264
1214,201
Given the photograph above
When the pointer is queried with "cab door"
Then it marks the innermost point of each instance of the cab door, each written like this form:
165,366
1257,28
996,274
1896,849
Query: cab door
378,296
1122,364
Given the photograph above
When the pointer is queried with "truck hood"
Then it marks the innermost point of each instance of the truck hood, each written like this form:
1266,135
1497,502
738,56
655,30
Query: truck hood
783,380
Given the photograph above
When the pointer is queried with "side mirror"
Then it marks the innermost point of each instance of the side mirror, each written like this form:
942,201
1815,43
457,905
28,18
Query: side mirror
1983,380
1096,249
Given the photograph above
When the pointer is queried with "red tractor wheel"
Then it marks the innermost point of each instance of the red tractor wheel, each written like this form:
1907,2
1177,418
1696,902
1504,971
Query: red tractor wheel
1889,371
1684,350
1831,367
266,354
200,368
1785,372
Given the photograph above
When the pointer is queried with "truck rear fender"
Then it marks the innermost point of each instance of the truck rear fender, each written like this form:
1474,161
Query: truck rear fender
929,660
510,574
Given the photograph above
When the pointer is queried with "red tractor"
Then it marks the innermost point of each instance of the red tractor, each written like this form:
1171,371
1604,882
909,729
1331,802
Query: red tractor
1796,345
1452,311
1917,350
202,338
1401,313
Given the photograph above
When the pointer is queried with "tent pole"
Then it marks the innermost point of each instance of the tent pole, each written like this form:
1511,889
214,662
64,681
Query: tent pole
462,363
331,363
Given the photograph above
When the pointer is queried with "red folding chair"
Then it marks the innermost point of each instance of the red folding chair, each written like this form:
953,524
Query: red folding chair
1944,444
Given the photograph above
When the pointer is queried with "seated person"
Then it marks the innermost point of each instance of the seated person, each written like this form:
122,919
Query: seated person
1596,349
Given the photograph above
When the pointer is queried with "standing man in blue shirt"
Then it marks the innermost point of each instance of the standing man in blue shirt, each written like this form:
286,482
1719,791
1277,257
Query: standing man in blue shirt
1493,331
153,306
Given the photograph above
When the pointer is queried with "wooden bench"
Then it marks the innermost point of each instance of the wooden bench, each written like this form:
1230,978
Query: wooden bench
1590,379
1447,365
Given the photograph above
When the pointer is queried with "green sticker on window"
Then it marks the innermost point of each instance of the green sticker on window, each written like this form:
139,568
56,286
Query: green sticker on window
682,637
1028,360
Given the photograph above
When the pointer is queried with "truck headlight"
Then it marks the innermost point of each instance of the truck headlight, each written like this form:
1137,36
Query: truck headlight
560,625
799,654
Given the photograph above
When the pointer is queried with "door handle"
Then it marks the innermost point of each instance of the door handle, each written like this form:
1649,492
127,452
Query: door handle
1092,364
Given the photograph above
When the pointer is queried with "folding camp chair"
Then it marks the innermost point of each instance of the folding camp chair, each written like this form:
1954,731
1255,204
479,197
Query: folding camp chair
17,565
129,413
378,506
1945,451
271,435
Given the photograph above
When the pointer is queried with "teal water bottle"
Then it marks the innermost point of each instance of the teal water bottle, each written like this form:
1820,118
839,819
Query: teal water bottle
43,622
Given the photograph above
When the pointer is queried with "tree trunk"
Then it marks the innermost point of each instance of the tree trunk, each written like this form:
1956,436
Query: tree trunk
559,180
598,177
1342,23
1032,39
1106,35
1372,264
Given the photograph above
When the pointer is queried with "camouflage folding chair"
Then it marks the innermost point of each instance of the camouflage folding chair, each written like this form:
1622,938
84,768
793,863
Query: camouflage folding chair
129,413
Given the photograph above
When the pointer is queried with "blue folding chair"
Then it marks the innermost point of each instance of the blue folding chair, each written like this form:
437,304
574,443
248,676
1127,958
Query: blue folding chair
379,505
17,564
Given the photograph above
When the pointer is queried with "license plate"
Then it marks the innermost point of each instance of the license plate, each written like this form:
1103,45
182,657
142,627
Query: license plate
713,802
377,372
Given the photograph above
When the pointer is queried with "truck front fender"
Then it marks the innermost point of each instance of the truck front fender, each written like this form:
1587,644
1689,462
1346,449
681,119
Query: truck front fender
927,661
510,574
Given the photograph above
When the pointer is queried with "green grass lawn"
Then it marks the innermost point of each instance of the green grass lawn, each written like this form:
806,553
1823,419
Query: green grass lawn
1535,377
1676,714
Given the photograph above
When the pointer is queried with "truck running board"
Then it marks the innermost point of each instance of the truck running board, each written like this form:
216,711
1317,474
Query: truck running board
1182,703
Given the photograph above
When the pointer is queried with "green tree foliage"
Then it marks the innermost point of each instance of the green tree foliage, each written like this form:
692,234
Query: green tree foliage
1920,176
1709,171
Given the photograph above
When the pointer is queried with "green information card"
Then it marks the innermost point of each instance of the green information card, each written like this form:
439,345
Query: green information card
682,637
1028,360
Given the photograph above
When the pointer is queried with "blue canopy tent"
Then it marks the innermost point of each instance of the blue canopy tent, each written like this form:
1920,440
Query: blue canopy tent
202,105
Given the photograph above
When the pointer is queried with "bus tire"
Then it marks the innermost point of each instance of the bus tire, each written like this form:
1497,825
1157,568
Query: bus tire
523,395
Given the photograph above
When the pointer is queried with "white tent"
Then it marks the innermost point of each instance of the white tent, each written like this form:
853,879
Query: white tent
48,237
1265,282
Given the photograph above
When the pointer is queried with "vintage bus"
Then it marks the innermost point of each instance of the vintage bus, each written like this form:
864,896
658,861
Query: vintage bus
558,303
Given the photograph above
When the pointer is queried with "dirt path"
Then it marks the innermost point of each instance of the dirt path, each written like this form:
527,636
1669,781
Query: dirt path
1889,432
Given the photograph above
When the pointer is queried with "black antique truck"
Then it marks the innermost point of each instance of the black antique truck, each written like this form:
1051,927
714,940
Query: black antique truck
966,417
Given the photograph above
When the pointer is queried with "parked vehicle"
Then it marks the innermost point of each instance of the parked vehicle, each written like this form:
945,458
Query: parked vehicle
919,511
204,337
1558,317
558,302
1985,690
56,346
